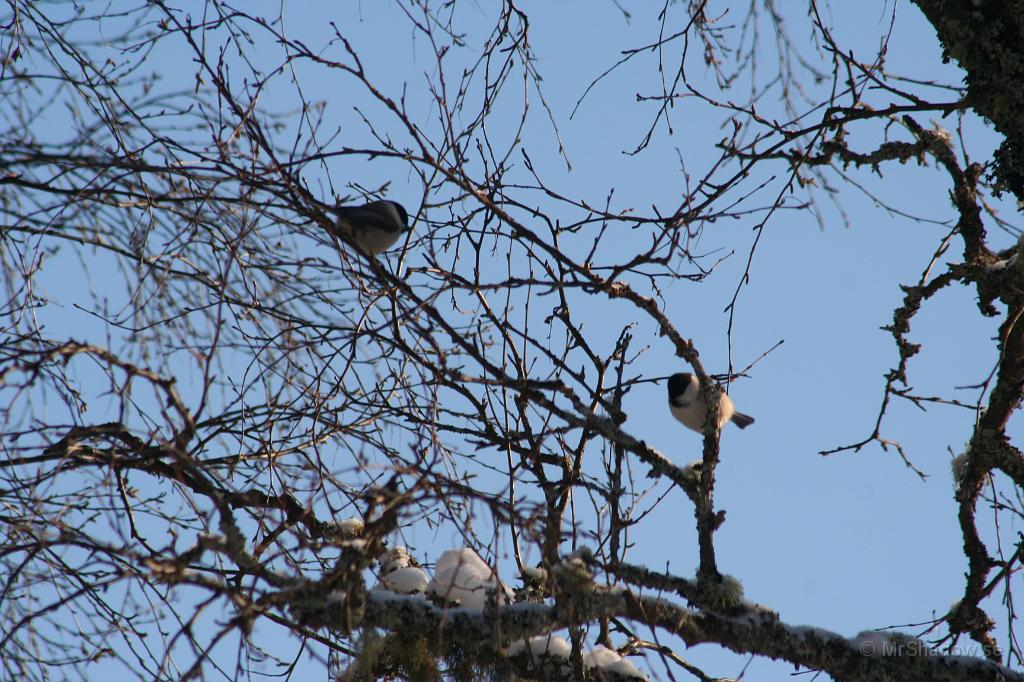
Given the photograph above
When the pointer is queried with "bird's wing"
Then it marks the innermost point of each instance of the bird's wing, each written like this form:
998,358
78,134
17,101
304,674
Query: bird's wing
371,218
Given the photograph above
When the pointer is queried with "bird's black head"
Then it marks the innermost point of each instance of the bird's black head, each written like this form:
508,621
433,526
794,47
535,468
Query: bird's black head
677,384
402,213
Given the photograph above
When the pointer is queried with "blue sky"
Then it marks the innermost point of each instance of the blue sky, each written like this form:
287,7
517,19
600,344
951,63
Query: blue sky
849,542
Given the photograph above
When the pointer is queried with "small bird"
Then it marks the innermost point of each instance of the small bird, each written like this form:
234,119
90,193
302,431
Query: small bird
373,227
687,404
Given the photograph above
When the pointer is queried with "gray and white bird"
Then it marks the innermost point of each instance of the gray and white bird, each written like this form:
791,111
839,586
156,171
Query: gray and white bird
687,404
373,227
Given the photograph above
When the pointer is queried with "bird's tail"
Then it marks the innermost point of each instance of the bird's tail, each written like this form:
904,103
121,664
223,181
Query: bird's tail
742,420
